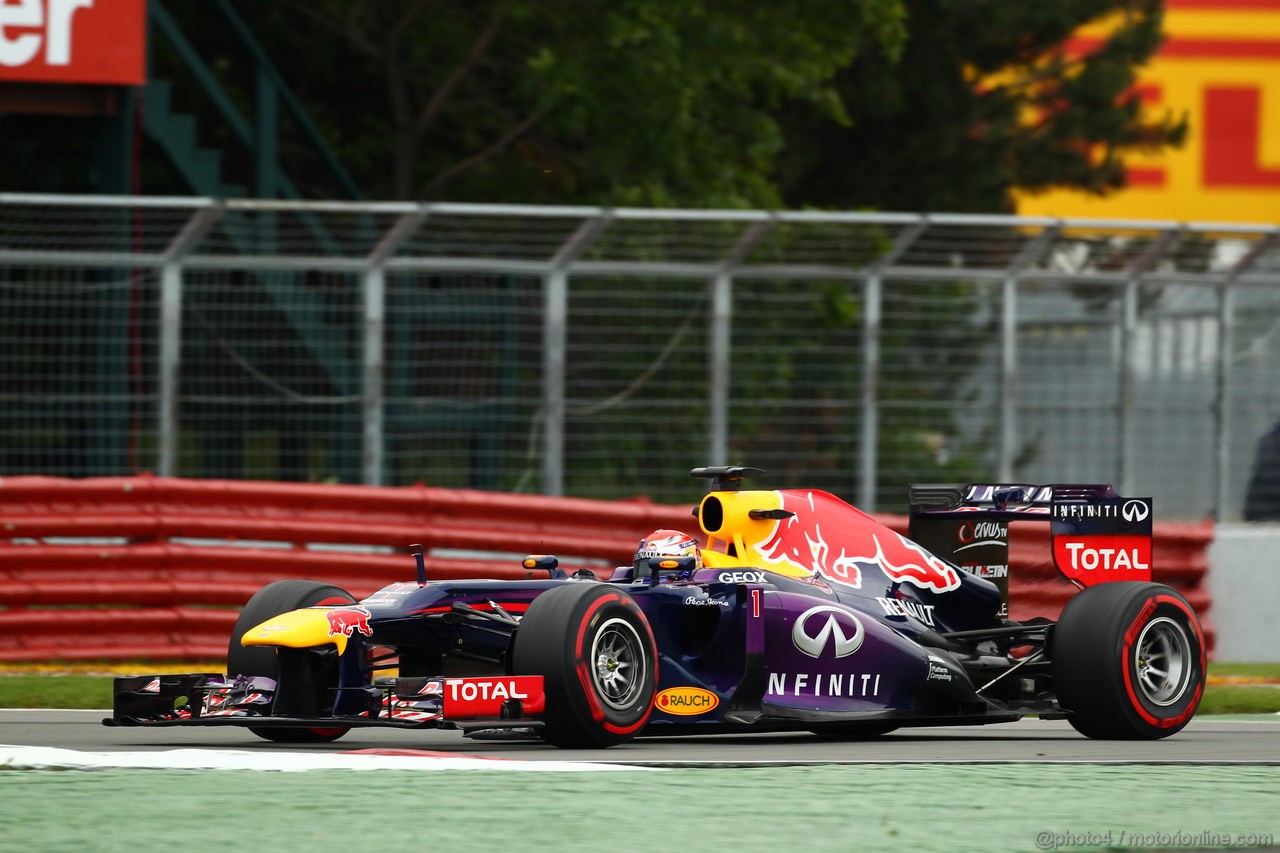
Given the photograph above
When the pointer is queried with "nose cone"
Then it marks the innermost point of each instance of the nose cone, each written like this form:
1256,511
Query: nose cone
304,629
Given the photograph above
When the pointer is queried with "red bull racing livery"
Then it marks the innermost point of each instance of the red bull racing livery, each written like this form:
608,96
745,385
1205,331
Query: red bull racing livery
799,612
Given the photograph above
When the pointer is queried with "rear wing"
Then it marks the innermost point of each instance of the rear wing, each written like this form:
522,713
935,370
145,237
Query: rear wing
1009,502
1098,536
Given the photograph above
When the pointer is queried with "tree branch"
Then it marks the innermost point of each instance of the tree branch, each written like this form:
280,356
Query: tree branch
410,15
436,103
348,28
484,154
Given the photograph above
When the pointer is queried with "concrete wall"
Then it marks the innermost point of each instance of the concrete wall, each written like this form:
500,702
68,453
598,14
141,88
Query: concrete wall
1244,580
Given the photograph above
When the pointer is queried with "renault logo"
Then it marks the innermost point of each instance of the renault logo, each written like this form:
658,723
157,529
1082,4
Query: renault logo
1135,510
812,632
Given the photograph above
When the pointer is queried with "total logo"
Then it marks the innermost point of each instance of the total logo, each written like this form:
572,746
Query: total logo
1097,559
475,689
1083,557
825,625
686,701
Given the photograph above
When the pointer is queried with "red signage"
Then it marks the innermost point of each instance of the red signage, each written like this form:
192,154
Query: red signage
1098,559
483,697
74,41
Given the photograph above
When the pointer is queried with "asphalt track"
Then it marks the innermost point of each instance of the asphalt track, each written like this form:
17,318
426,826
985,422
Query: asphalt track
1210,740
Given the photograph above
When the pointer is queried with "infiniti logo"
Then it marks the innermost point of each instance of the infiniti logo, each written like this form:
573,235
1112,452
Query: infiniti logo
812,644
1135,511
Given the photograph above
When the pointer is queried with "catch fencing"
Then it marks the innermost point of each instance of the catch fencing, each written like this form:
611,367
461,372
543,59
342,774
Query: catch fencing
132,568
603,353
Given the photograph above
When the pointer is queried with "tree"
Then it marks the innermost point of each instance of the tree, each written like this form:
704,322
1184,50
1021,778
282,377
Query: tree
985,98
628,102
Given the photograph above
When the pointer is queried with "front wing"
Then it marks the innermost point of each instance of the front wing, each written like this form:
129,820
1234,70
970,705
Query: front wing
212,699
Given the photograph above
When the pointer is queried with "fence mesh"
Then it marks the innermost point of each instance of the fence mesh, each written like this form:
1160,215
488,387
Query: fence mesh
77,370
463,366
603,353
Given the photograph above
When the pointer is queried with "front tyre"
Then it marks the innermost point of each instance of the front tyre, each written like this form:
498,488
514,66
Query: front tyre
1128,661
272,600
596,654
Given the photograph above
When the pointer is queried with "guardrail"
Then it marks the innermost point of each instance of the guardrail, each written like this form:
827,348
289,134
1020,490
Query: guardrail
120,568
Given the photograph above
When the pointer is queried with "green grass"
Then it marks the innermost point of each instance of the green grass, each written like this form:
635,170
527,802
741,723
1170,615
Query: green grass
94,691
1242,698
1232,699
55,691
1245,670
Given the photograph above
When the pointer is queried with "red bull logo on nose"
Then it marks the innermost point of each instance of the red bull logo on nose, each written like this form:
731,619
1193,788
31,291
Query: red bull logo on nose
800,543
346,621
904,561
827,537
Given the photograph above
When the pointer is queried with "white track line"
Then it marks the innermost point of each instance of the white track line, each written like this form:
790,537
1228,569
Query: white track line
41,757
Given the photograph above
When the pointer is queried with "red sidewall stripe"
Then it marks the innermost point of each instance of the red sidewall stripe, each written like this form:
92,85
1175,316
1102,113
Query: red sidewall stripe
584,671
1131,636
653,655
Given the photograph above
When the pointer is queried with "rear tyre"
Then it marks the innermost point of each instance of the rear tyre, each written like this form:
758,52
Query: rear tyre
1128,661
272,600
595,651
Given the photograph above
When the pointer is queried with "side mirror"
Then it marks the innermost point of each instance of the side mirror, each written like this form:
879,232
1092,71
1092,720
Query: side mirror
670,565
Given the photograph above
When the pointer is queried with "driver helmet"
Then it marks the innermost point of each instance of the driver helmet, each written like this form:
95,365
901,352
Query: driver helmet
667,543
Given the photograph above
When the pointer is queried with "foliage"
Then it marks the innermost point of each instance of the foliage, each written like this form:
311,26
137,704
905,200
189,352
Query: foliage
642,102
985,98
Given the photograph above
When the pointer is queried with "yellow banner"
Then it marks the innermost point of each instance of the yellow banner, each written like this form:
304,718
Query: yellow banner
1220,66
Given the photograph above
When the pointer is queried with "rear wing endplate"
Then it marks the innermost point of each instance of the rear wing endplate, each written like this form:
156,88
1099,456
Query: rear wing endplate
1097,535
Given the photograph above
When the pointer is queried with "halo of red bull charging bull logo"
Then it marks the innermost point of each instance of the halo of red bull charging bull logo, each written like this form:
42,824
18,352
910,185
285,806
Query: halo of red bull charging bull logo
818,539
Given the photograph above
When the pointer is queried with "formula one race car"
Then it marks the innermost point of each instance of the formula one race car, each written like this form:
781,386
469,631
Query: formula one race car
799,613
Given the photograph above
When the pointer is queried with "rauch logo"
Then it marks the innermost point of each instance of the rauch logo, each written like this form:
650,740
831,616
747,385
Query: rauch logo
687,701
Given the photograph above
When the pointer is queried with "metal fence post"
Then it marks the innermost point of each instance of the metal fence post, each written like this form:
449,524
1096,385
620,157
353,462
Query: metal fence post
1128,354
373,381
1029,254
1128,371
170,357
870,437
872,299
169,352
555,329
1223,371
718,369
555,310
1008,379
720,343
1221,399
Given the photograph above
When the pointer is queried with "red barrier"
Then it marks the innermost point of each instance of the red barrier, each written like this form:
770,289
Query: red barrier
1037,589
172,560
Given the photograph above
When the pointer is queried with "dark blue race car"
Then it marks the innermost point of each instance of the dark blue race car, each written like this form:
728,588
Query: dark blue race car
799,612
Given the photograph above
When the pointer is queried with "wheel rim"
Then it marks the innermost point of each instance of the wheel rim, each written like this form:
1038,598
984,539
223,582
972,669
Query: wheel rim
619,669
1162,658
